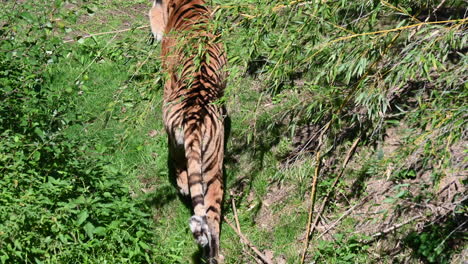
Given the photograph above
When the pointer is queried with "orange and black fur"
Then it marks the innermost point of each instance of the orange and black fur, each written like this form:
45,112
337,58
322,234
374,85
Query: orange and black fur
194,62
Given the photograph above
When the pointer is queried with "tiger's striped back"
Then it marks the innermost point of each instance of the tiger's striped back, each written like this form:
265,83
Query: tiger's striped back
193,118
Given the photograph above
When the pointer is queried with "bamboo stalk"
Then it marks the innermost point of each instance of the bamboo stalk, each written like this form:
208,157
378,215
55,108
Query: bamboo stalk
311,208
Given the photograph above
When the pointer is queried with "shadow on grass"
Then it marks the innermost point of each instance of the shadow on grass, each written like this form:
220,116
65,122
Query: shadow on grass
161,196
197,257
267,136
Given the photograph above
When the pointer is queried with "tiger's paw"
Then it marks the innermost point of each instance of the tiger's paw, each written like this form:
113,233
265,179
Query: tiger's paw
184,191
218,260
200,229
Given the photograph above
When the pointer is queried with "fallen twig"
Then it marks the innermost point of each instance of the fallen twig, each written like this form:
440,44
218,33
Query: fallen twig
236,218
95,58
446,187
248,243
392,228
427,18
234,209
344,215
311,208
451,233
105,33
297,3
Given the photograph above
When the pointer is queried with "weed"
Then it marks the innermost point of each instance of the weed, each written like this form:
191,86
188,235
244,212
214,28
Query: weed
342,250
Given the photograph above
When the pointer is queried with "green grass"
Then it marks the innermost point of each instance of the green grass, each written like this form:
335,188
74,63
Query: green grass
83,154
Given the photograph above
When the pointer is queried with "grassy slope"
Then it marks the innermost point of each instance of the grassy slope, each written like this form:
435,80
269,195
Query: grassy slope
116,89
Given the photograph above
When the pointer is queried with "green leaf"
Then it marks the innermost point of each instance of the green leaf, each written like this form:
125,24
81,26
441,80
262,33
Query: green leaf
89,229
36,155
144,245
28,17
401,194
39,132
100,231
82,217
389,200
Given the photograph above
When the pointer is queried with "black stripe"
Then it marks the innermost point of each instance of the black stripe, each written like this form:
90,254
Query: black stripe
197,6
211,181
210,165
212,208
192,182
183,16
194,177
178,7
197,199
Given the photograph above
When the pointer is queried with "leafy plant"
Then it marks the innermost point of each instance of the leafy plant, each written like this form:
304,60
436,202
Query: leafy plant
60,202
436,243
342,250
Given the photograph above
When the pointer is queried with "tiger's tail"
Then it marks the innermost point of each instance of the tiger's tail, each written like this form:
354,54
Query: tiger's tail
193,154
204,224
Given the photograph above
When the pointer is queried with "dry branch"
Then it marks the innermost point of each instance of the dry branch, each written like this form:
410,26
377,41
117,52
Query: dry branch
236,218
392,228
383,32
344,215
451,233
247,242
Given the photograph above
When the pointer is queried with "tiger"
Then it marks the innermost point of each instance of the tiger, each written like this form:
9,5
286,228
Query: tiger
194,62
